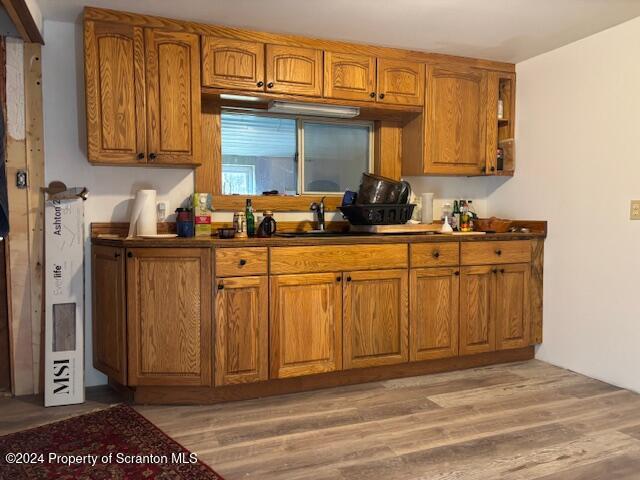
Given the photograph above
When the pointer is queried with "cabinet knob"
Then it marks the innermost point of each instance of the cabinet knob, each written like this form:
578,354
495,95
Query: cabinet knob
372,94
436,254
152,156
242,262
493,169
140,156
495,270
502,270
456,273
348,279
498,252
381,96
260,83
116,255
338,278
130,254
221,286
270,85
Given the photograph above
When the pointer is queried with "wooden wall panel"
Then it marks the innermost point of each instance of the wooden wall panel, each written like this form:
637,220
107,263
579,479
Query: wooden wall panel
5,359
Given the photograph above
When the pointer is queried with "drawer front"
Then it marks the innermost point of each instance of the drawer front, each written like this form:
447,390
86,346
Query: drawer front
238,262
332,258
487,252
446,254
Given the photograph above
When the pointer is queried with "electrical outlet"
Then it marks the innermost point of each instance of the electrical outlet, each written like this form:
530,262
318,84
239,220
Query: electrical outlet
635,209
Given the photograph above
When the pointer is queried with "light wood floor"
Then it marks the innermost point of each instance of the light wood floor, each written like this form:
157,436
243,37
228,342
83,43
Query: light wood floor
520,421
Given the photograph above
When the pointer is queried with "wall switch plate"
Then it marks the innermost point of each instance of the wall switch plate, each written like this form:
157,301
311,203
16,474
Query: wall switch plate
635,210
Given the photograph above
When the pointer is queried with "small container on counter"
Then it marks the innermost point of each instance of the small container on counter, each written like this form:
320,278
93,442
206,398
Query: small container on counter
184,222
268,225
240,224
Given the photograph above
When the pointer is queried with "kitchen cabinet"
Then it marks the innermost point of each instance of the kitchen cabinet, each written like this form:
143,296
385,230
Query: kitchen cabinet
375,328
477,304
500,130
305,324
169,316
241,334
349,76
114,73
400,82
513,321
143,95
109,315
294,70
434,313
231,63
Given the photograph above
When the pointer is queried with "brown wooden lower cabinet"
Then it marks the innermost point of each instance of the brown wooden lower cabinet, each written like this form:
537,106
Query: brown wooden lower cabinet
477,302
306,324
513,312
242,330
169,316
434,313
375,328
109,315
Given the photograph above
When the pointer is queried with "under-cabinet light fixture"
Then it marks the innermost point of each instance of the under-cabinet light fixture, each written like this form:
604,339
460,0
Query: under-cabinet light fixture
239,98
313,109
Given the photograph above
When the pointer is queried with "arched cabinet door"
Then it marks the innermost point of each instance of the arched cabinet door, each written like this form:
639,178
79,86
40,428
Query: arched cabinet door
229,63
294,70
349,77
400,82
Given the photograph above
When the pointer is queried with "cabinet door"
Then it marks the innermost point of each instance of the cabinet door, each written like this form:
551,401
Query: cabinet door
456,120
229,63
109,316
513,324
376,330
173,97
306,324
349,77
114,74
477,303
400,82
169,316
294,70
242,348
434,313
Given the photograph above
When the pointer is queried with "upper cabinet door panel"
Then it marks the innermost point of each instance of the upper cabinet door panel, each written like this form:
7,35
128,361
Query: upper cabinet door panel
114,72
456,120
173,97
294,70
228,63
400,82
349,77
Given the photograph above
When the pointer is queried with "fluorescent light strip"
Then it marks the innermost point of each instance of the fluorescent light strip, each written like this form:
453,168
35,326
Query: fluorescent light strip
313,109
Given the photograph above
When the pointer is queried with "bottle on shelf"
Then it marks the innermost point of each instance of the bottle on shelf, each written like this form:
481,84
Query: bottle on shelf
464,217
472,214
250,218
455,217
500,109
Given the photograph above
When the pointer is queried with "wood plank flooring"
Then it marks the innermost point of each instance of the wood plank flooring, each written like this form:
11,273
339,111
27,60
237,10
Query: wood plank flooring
521,421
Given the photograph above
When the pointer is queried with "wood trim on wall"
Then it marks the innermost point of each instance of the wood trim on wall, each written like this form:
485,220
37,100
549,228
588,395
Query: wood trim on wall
92,13
24,22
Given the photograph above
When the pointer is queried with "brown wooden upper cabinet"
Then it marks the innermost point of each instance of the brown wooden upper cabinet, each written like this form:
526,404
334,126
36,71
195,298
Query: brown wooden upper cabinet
229,63
294,70
142,94
169,316
360,77
455,124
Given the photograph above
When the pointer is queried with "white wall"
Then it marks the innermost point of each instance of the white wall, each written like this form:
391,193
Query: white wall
578,154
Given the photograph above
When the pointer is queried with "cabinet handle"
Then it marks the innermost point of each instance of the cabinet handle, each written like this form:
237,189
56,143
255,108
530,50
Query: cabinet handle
260,83
140,156
130,254
116,255
348,279
381,96
338,278
372,94
493,169
270,85
495,270
152,156
456,273
221,286
242,262
436,254
498,252
502,270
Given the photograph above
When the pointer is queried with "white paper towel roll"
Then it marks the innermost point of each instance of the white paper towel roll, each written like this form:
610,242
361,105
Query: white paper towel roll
427,208
144,219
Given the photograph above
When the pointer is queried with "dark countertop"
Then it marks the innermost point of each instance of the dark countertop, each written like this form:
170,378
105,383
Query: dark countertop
276,241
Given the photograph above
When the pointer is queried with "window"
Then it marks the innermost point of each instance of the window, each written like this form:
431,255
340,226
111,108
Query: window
293,155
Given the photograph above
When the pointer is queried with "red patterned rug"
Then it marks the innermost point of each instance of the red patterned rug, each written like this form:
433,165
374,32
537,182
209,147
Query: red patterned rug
116,443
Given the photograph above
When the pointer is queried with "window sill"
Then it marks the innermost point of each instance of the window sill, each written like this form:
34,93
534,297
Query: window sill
276,203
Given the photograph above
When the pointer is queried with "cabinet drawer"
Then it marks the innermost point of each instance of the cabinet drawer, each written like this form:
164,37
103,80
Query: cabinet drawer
445,254
237,262
332,258
487,252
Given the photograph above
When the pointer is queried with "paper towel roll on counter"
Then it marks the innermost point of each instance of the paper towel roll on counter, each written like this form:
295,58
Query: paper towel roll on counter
427,208
144,220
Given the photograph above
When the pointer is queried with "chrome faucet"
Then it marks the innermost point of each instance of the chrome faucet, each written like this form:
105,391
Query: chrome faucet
318,208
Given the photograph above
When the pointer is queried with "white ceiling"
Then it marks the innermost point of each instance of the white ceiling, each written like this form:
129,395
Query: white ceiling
507,30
